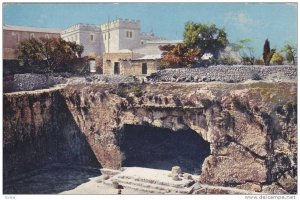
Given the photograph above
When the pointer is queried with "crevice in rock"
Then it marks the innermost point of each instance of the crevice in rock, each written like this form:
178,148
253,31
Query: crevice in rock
255,155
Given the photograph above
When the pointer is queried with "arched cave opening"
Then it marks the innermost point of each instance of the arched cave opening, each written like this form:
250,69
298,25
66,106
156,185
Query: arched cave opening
161,148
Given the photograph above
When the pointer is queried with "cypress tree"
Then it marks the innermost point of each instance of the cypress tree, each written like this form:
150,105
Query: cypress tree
266,52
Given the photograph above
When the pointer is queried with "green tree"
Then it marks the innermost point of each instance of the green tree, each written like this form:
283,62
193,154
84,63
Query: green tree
245,51
290,52
267,53
54,52
277,58
206,37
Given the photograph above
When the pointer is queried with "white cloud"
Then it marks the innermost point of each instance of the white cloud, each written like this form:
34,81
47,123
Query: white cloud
240,19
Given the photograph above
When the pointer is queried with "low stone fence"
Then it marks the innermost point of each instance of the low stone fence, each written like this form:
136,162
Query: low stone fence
235,73
26,82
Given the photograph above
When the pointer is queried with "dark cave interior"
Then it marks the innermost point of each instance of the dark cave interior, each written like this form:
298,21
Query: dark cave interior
161,148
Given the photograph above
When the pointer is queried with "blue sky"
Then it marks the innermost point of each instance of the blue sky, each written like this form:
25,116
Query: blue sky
258,21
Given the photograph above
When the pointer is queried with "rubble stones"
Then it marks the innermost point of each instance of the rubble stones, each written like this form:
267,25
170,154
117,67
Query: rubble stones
273,189
26,82
231,74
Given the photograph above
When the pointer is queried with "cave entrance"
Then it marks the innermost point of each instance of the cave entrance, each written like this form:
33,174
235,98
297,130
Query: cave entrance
161,148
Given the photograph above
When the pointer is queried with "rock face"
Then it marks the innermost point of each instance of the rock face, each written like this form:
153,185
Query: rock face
38,131
251,127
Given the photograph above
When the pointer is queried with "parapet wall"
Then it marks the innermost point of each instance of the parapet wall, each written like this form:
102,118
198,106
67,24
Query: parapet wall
81,27
121,23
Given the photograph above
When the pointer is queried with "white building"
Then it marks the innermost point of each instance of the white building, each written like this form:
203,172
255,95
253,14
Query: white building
113,37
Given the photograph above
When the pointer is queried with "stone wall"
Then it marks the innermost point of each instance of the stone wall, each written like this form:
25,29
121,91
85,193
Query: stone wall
81,34
25,82
129,65
225,73
136,67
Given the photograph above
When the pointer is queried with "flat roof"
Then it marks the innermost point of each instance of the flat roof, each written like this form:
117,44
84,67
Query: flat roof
31,29
149,57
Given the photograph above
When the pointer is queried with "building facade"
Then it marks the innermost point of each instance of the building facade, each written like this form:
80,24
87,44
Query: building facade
120,44
12,35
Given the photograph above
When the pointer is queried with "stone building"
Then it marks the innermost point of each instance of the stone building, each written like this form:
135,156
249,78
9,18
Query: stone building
124,48
116,47
87,35
12,35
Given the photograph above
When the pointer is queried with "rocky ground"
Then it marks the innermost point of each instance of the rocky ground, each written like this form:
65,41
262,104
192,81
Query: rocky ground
230,74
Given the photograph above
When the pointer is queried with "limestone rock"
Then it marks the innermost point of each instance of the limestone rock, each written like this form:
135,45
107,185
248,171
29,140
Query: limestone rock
251,187
288,182
232,165
176,171
187,176
241,122
273,189
175,178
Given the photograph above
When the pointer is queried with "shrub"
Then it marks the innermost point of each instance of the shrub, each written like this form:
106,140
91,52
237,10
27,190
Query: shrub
256,76
277,58
259,62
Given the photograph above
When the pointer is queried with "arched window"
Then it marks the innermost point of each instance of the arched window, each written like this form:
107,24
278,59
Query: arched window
92,37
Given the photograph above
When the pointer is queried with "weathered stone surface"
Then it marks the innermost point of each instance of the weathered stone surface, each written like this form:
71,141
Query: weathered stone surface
251,187
288,182
176,170
232,165
273,189
187,176
244,123
38,130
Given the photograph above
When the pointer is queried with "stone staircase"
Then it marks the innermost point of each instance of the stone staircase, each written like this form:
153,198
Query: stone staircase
156,181
152,181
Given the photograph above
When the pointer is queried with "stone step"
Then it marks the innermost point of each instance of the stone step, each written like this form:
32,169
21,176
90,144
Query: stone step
143,189
153,186
110,172
155,176
134,187
170,182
